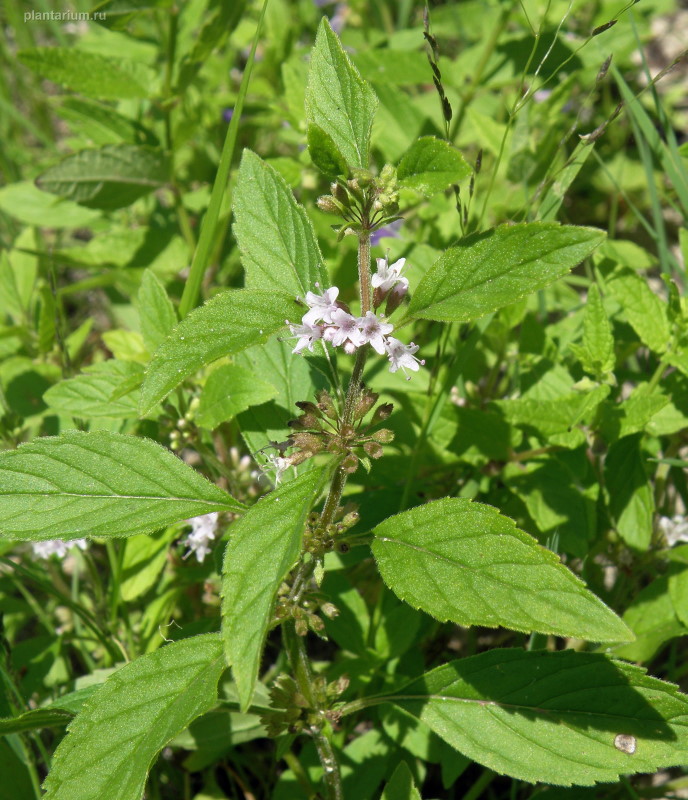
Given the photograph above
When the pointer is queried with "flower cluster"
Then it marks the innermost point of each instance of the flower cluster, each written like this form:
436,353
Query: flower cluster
330,320
203,531
56,547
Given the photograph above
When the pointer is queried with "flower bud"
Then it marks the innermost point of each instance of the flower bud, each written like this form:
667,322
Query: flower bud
384,436
350,464
373,449
326,404
365,402
395,298
350,519
305,422
310,442
329,205
382,412
306,405
330,610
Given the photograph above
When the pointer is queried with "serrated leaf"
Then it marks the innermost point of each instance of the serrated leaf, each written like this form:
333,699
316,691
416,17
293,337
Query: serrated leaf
561,718
229,390
400,785
463,561
90,73
279,249
338,100
644,310
263,546
156,312
227,324
114,740
91,393
431,165
325,153
294,379
101,123
486,271
99,484
111,177
629,495
597,356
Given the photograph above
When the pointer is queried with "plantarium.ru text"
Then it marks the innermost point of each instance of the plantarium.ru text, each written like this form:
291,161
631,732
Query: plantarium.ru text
343,401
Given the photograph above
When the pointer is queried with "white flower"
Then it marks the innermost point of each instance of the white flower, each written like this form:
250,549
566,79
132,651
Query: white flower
279,464
306,333
321,306
374,330
203,531
401,356
675,529
56,547
345,326
388,275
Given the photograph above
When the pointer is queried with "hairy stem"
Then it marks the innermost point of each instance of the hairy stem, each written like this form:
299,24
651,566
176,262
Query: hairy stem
294,644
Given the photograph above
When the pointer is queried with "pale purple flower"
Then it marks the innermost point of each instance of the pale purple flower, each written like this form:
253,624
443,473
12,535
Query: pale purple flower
56,547
401,356
345,327
390,231
389,275
320,306
374,330
306,333
203,529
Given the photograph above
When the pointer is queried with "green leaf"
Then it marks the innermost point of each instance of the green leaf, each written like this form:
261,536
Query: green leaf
431,165
629,495
91,393
263,546
228,391
463,561
293,378
156,312
486,271
143,560
597,351
112,177
114,740
101,123
325,153
644,310
89,73
561,718
338,100
99,484
27,203
227,324
400,785
653,619
278,246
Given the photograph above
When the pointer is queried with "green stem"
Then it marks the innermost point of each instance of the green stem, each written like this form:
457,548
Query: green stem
364,272
303,674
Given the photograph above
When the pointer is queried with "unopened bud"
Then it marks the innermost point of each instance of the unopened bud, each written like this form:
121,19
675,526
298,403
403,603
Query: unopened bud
365,402
382,412
384,436
395,298
373,449
350,464
363,177
305,422
301,627
329,205
350,519
306,405
309,442
330,610
326,404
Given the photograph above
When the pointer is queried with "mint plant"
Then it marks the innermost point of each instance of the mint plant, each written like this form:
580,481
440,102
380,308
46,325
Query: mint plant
347,465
